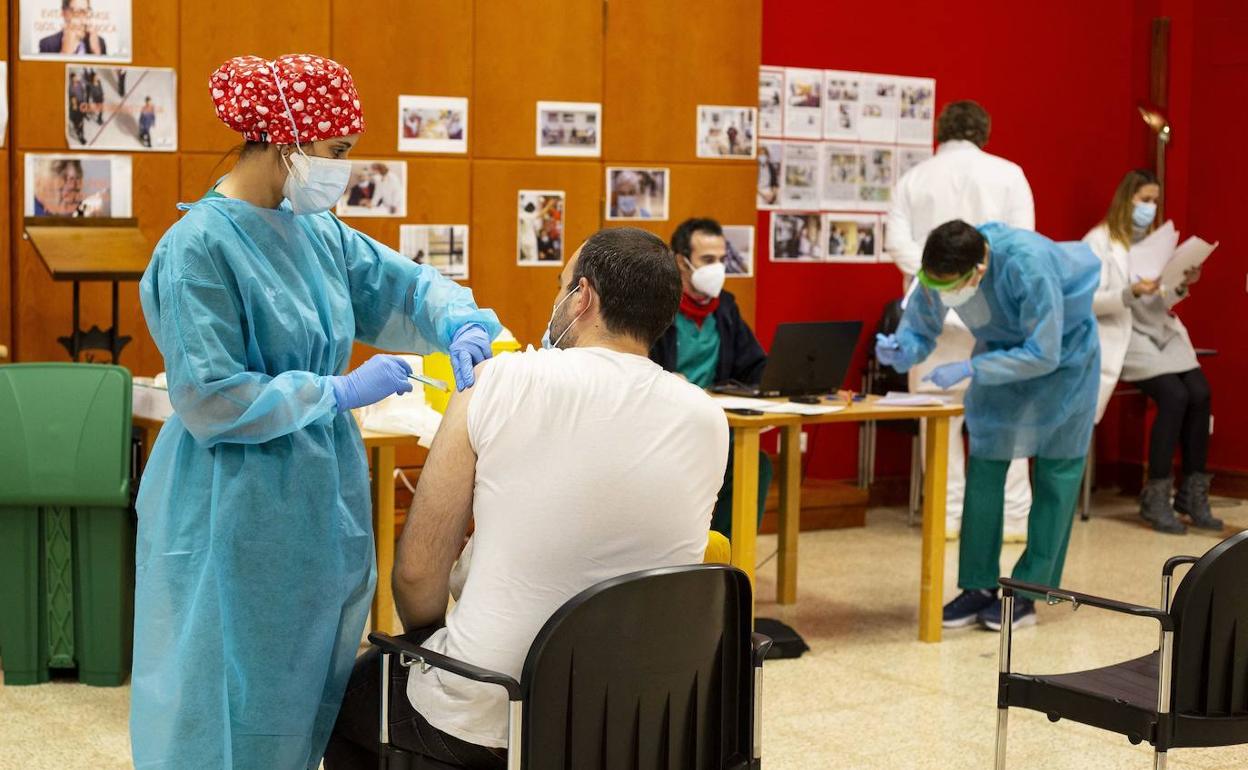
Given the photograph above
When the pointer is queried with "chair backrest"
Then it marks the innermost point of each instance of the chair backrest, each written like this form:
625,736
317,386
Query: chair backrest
1210,610
65,434
651,669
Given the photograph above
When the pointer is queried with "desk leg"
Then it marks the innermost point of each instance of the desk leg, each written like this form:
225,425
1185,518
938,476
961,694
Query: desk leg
932,577
383,537
744,499
790,512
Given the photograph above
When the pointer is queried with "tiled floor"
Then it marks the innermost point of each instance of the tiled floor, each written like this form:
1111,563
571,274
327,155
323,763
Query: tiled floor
867,695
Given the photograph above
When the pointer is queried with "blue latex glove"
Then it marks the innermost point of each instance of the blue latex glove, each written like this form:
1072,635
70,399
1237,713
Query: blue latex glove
946,376
375,379
887,349
469,347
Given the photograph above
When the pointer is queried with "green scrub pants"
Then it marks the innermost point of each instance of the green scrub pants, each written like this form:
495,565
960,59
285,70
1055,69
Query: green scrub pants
1055,490
721,519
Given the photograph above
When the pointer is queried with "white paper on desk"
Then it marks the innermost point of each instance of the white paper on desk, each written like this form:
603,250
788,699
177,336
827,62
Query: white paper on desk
151,402
1190,254
775,407
407,413
1147,258
741,402
902,398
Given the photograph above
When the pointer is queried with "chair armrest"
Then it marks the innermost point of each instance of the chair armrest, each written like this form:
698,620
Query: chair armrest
1057,595
1174,562
428,659
761,645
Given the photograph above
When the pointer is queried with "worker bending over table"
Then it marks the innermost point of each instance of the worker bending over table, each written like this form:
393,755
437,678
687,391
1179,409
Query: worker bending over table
709,343
1033,374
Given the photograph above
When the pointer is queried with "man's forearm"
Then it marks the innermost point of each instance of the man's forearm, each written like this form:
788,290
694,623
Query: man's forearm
421,601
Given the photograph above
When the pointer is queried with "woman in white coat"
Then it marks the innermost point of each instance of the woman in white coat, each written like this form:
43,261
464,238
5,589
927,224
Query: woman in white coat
1144,343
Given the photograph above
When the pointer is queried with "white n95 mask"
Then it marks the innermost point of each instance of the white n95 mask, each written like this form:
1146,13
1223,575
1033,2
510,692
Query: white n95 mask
314,184
708,279
958,297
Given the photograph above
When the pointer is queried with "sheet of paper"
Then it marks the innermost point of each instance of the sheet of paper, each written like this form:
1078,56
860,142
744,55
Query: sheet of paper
1191,253
770,102
840,104
1147,258
740,402
917,106
775,407
799,184
902,398
840,175
803,106
879,105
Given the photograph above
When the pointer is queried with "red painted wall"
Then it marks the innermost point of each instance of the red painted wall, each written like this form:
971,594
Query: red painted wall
1061,80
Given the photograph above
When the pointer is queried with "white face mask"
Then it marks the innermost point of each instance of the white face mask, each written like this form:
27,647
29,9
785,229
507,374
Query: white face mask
313,184
708,279
956,297
546,343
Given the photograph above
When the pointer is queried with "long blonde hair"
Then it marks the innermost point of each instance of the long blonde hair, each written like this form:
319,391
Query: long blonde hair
1118,218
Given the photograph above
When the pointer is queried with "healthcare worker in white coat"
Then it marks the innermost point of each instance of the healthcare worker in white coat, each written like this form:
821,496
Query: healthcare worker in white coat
960,181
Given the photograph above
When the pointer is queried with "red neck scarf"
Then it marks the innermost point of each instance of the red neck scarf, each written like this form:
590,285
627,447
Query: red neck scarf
696,311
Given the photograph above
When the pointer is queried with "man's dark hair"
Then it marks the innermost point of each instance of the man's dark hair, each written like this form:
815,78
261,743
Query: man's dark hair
636,280
682,238
953,249
963,120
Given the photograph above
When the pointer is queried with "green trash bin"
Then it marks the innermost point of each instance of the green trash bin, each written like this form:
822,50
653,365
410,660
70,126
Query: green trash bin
66,529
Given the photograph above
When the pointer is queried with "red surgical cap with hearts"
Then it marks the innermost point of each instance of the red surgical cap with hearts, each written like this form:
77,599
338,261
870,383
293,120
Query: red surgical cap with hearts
248,93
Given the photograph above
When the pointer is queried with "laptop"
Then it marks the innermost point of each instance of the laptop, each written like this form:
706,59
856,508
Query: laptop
807,359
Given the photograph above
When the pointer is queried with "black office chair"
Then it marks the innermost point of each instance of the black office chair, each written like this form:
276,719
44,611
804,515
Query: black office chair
654,669
1192,692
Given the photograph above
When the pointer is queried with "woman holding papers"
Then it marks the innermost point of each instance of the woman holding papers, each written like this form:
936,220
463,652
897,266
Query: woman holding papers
1144,343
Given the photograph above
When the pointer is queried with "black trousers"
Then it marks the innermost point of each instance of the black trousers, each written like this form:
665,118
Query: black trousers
355,744
1184,406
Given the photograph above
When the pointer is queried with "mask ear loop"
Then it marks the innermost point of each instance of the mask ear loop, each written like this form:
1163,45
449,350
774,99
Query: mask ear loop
564,333
289,114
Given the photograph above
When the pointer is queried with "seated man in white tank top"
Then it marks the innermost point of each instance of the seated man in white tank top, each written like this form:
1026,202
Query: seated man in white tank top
579,462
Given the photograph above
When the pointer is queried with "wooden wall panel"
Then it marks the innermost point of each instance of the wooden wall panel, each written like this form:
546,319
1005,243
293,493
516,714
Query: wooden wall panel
658,68
522,296
209,33
527,51
415,48
6,290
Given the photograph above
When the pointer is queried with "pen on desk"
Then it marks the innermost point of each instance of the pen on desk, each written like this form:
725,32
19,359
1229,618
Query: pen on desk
431,382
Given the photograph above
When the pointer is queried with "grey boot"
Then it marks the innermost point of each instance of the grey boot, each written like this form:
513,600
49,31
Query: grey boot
1155,507
1193,499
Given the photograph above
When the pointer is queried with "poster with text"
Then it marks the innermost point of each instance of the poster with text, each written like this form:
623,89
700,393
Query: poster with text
799,186
725,132
75,30
917,110
840,176
770,158
880,100
841,109
770,102
739,250
570,129
444,247
851,238
803,111
65,185
376,188
539,228
121,108
433,124
796,237
879,175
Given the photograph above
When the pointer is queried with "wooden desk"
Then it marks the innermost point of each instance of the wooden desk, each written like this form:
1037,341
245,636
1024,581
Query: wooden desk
745,433
381,449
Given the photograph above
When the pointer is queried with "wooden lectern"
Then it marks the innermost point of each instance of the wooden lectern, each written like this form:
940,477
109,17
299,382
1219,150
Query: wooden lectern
90,249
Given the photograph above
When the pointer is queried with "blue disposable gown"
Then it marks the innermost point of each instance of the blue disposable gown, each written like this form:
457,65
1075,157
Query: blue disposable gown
1037,357
255,564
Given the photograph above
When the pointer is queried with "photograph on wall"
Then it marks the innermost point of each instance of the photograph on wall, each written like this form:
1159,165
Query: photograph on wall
851,237
803,113
433,124
799,176
909,157
840,104
64,185
571,129
917,107
444,247
376,188
725,132
539,228
795,237
75,30
770,102
4,100
121,108
770,156
878,177
739,250
841,175
880,100
636,193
